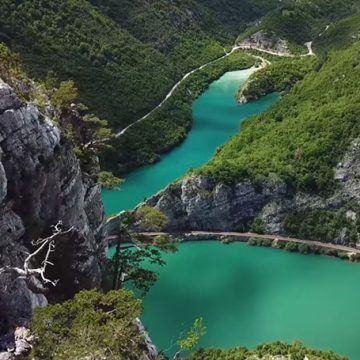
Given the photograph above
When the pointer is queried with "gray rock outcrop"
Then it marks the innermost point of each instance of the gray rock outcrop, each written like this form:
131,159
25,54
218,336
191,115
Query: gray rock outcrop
266,41
198,203
41,183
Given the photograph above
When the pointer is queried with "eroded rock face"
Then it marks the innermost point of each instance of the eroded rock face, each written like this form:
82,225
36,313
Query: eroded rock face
198,203
266,41
40,184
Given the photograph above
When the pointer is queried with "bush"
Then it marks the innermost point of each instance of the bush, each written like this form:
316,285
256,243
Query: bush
291,246
150,219
92,324
108,180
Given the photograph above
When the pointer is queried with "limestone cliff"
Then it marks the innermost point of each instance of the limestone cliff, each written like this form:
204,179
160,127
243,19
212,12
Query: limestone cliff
199,203
41,183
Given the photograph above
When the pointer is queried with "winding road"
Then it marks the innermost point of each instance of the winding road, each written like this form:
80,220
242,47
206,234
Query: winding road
234,48
238,236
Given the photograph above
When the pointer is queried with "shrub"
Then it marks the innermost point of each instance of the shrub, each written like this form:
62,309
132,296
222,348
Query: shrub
92,324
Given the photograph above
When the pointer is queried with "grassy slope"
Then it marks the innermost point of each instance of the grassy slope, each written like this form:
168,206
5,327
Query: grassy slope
302,137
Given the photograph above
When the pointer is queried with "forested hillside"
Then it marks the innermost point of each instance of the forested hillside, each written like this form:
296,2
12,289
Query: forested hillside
303,137
123,55
116,74
339,34
304,20
276,350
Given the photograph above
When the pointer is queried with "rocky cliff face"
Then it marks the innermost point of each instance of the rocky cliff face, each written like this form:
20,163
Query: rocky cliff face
198,203
266,41
40,184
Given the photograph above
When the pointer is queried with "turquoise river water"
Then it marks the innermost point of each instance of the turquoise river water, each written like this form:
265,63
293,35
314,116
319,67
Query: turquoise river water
245,295
216,116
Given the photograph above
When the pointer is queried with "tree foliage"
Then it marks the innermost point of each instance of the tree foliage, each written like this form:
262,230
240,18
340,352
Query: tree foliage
193,336
91,325
296,351
280,76
134,250
108,180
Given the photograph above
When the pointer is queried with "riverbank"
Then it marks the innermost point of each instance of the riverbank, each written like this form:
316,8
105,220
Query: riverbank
170,123
266,240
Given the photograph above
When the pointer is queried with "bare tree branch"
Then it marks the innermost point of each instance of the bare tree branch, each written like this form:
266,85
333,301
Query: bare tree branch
26,272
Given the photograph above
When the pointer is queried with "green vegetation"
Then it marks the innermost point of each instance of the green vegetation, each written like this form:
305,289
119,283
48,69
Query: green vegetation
296,351
182,30
305,249
151,219
121,70
303,137
301,21
279,76
179,27
9,65
339,34
193,336
133,250
260,242
168,125
117,75
107,180
91,325
323,225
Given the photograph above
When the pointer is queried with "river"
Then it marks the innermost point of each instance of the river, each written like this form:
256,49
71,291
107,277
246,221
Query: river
245,295
216,116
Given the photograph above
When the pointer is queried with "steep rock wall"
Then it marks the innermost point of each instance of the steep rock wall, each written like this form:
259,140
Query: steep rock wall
41,183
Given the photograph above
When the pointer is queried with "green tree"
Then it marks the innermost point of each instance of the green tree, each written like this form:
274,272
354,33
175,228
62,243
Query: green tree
193,336
64,96
133,250
108,180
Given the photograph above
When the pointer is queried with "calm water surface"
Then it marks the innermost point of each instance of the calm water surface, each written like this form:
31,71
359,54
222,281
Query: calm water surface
245,295
248,296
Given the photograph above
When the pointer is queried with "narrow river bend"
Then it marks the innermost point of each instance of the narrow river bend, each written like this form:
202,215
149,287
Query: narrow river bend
245,295
216,117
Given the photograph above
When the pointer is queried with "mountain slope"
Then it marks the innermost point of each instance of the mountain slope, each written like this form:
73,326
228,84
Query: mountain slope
303,20
116,74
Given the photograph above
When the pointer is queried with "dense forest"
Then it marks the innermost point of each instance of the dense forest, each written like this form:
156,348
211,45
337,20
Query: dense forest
303,137
122,71
304,20
278,77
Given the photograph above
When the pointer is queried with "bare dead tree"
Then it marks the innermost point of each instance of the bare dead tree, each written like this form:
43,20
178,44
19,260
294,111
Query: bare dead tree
27,272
